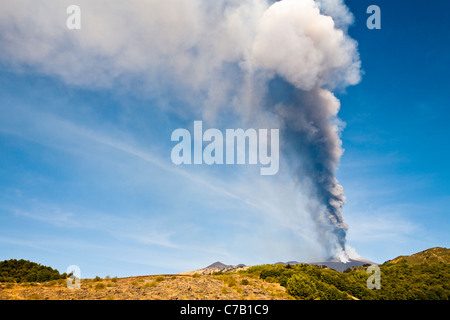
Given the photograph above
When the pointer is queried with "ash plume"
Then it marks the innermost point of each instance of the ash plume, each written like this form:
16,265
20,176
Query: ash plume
316,57
312,131
221,57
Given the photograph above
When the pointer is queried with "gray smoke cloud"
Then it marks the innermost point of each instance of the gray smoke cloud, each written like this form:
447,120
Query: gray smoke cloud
313,131
221,57
316,56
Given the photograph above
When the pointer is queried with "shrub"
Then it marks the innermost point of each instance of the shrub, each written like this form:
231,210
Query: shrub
51,283
149,284
134,283
227,279
244,282
100,286
238,290
230,281
270,279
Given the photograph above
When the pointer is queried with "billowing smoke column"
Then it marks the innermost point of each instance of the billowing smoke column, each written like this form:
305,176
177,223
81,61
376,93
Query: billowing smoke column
224,56
312,55
314,137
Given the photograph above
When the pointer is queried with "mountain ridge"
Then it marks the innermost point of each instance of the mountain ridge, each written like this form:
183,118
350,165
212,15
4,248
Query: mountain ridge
435,254
332,264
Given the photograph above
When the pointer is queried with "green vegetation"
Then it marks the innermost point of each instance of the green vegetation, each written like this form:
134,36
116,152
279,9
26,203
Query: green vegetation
436,254
34,297
421,276
149,284
99,286
244,282
25,271
227,279
425,281
399,281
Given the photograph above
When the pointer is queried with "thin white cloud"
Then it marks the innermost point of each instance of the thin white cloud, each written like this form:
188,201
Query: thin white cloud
67,136
119,226
384,225
25,243
49,214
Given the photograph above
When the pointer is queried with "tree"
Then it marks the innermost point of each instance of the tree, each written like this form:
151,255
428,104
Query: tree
43,275
31,277
26,271
301,287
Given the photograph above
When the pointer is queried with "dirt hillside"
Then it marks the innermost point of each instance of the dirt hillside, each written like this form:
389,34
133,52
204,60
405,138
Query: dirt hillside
167,287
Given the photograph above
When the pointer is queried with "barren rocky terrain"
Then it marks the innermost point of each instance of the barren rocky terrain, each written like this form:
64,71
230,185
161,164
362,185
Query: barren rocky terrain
167,287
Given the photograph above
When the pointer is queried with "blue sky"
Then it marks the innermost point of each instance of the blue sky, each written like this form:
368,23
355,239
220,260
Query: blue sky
86,176
395,166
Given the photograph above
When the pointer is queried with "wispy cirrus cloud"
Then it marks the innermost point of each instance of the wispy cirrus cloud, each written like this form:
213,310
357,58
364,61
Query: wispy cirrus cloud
132,228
